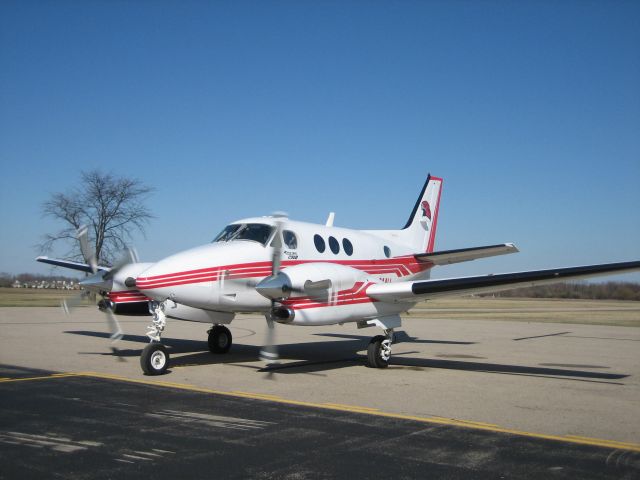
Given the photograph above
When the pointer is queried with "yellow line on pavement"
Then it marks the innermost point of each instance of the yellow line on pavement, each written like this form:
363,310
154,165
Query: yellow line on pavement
596,442
472,423
350,407
43,377
613,443
265,396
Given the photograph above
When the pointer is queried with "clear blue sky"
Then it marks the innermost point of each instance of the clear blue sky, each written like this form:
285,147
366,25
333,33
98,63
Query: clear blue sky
529,110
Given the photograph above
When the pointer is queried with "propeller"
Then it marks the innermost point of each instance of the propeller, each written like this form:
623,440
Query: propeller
269,351
100,281
82,234
277,287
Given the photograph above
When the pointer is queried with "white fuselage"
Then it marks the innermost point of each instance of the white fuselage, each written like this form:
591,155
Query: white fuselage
221,276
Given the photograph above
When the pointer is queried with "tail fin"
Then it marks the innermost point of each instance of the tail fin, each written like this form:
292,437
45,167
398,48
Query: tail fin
420,229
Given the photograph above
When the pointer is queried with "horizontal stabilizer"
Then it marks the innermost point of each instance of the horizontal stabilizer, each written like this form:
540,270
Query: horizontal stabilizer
81,267
428,289
447,257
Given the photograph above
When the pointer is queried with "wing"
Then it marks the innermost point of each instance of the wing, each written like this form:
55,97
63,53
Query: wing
447,257
82,267
427,289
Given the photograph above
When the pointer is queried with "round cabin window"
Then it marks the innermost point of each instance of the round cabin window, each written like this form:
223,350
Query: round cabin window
346,245
334,245
319,242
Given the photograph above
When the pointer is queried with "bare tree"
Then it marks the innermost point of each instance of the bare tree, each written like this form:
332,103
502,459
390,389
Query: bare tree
111,207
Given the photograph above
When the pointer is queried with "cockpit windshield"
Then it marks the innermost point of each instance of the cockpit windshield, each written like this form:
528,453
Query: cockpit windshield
226,234
257,232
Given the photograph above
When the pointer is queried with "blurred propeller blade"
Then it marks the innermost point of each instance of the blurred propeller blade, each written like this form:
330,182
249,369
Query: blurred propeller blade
114,326
277,248
69,304
269,351
88,253
129,255
116,333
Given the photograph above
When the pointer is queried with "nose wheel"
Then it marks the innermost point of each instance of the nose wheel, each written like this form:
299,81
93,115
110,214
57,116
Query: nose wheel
154,359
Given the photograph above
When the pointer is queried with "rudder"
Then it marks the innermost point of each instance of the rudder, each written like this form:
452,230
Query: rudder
420,229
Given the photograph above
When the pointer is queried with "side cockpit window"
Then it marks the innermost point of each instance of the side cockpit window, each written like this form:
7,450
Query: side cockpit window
290,239
257,232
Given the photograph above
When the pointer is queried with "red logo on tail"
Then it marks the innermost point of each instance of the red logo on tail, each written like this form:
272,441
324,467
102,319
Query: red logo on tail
426,210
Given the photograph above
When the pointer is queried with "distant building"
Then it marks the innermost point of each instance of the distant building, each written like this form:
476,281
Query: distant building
48,284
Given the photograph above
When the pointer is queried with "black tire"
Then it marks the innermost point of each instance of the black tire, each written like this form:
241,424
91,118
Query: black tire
377,355
220,339
154,359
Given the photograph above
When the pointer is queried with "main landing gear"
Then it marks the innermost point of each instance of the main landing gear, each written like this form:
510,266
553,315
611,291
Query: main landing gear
220,339
379,350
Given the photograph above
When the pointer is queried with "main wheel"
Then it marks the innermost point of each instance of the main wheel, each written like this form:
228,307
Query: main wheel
379,352
220,339
154,359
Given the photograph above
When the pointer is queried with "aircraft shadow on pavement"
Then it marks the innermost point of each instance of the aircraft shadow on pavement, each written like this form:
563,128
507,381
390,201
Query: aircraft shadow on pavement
399,337
316,357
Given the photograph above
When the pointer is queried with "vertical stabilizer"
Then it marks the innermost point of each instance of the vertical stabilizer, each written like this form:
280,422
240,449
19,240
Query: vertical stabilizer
420,229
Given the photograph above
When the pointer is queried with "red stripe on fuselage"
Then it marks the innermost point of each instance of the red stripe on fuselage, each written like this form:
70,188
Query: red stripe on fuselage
400,266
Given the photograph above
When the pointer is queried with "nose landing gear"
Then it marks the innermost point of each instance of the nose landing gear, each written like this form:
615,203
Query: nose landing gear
154,359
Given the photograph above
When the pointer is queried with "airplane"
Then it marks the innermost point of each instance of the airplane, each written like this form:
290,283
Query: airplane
298,273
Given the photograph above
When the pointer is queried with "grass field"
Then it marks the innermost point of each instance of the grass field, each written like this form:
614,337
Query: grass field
30,297
595,312
547,310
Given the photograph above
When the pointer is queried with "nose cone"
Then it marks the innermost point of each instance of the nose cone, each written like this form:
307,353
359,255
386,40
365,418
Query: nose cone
162,279
275,288
196,277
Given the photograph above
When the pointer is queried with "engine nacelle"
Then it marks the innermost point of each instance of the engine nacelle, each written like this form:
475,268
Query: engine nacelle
324,294
122,305
311,278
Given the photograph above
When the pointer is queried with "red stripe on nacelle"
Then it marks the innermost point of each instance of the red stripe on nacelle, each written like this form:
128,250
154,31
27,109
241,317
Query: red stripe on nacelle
127,297
351,296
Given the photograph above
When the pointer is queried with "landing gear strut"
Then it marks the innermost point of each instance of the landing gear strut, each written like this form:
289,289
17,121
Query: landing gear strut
155,357
220,339
379,350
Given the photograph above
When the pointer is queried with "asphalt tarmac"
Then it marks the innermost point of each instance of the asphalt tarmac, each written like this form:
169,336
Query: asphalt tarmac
472,399
57,426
